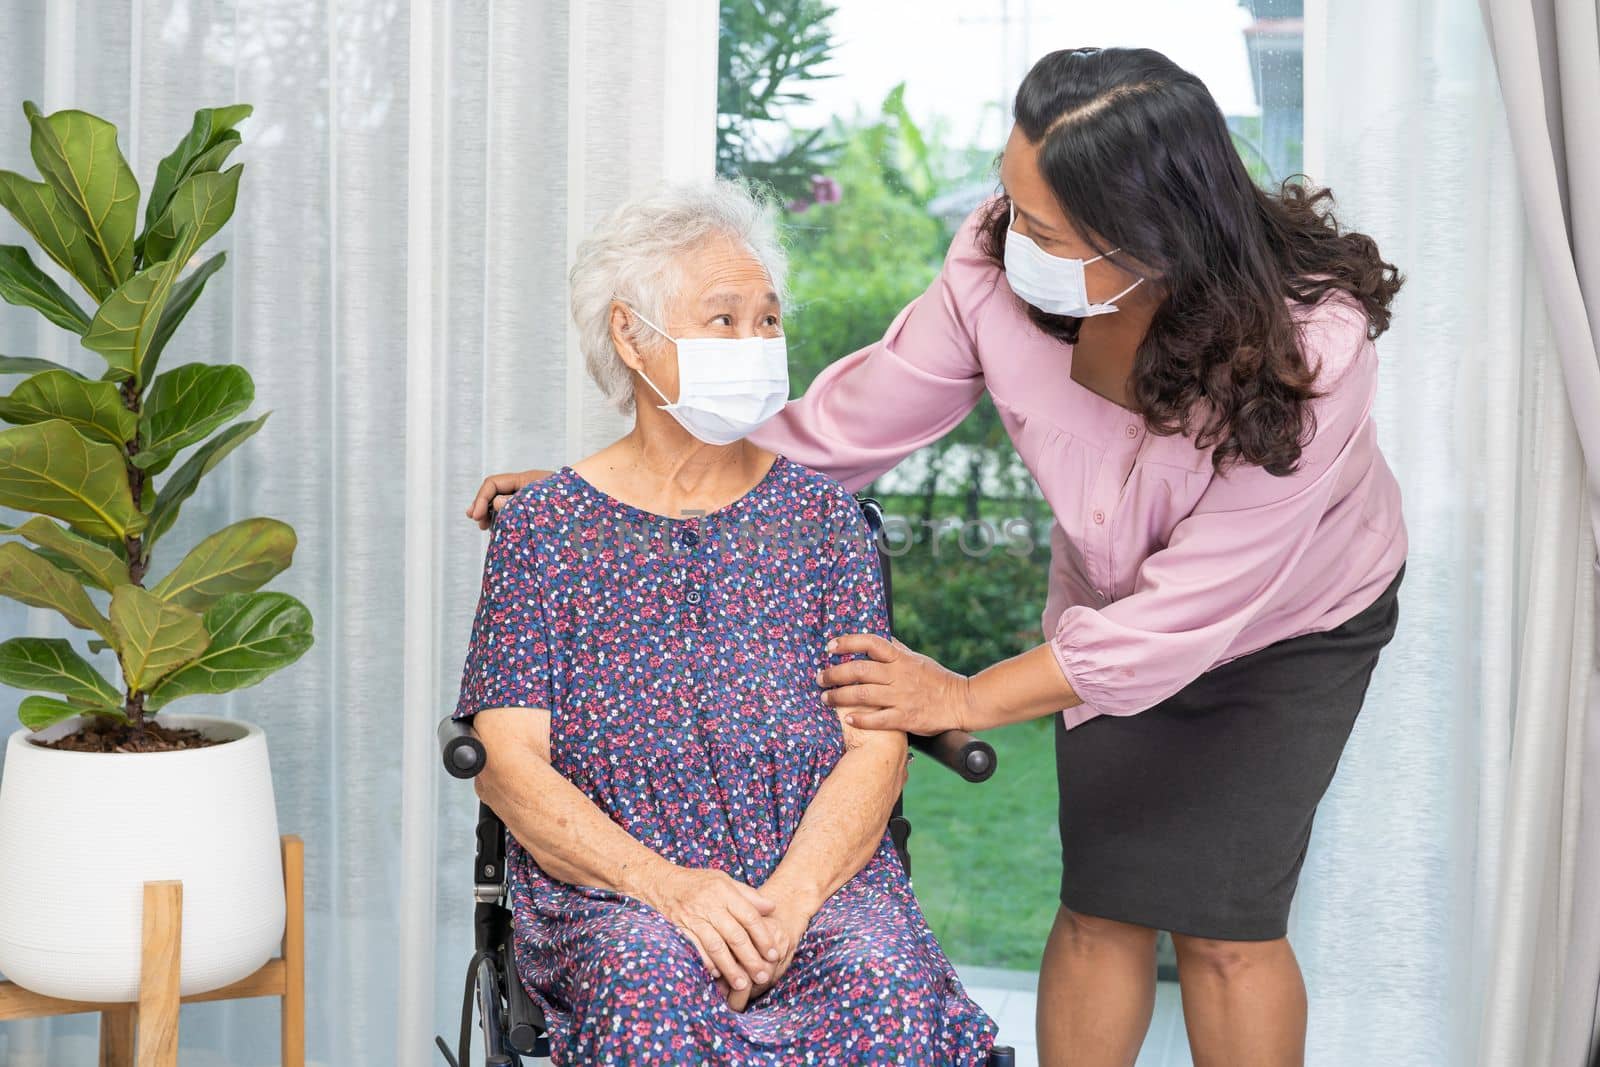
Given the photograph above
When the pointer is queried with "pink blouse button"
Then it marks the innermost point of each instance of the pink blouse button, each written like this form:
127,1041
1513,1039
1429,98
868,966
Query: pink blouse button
1099,517
1133,431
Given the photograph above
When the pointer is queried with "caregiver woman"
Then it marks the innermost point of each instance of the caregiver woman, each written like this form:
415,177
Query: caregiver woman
1185,364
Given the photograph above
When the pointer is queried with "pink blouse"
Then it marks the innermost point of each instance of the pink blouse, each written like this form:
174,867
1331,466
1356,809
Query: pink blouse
1160,569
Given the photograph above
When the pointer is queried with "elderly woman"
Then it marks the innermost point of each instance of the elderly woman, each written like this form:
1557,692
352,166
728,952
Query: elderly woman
699,866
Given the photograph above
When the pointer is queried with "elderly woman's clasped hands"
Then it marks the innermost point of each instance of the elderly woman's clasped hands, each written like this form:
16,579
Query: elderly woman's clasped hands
752,938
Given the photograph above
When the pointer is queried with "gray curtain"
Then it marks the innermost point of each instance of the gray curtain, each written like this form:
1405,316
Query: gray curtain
1547,54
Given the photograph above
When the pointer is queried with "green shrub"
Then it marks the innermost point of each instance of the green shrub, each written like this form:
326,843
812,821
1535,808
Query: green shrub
968,612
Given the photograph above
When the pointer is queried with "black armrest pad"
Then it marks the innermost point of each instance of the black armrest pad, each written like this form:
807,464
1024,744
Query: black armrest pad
460,748
969,757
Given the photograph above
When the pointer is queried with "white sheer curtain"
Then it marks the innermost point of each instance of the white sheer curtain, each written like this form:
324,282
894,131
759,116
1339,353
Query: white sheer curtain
1438,888
416,175
1547,53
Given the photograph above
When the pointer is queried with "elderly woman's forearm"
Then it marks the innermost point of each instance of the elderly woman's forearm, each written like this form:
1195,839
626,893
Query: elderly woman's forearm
844,823
566,833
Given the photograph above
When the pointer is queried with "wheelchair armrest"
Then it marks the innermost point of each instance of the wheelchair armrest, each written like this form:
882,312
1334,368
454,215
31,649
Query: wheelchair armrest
463,753
969,757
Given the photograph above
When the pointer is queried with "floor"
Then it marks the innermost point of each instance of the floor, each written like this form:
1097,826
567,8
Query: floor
1009,998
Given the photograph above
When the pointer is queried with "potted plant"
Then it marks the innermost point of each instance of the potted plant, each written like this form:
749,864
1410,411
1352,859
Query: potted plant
97,797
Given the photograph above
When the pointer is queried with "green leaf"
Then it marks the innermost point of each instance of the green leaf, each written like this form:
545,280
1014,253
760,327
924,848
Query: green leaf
31,365
913,165
126,323
95,408
51,469
32,579
49,663
210,138
65,564
184,294
236,559
186,478
213,157
37,209
36,712
252,635
153,638
185,404
25,285
97,565
78,157
200,207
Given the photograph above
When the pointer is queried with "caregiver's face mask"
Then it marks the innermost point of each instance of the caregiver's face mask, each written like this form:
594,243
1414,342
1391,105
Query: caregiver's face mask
727,386
1052,283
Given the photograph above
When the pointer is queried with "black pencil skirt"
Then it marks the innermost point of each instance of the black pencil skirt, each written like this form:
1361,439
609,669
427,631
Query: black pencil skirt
1193,816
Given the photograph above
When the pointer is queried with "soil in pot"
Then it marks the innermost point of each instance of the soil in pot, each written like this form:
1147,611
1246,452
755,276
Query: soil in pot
101,734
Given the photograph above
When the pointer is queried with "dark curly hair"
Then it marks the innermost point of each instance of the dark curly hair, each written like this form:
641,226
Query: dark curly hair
1138,155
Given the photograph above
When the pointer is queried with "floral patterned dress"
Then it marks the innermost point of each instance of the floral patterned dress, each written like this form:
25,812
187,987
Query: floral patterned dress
677,658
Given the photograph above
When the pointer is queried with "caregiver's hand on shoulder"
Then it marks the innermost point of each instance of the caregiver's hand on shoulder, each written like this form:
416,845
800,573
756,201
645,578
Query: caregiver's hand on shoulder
896,689
497,489
729,922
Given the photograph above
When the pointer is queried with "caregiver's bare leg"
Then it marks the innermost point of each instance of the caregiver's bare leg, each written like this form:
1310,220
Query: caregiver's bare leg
1097,990
1244,1002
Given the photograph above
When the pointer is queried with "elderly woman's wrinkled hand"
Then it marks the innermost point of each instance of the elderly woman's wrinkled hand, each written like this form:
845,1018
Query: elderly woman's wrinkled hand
730,923
793,918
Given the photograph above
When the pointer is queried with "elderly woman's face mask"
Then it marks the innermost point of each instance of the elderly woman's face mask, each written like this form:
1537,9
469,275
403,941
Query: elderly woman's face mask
727,386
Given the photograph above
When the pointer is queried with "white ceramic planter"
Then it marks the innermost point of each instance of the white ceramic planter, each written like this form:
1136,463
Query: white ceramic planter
81,832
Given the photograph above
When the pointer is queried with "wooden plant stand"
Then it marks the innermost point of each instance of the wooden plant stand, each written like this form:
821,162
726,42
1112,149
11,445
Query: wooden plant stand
145,1033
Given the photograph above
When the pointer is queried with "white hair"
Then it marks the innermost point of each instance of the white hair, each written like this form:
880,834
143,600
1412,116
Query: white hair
637,254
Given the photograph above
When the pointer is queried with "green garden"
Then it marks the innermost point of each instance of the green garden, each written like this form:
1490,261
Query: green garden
867,228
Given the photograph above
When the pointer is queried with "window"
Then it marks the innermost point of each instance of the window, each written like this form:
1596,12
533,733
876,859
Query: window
881,137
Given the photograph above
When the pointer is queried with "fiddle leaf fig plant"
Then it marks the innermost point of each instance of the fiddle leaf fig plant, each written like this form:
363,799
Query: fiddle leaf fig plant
93,458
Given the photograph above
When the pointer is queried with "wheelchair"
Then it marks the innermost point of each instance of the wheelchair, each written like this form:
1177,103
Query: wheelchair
512,1025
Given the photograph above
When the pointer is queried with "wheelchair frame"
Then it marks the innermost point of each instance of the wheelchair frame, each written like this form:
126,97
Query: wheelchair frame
511,1023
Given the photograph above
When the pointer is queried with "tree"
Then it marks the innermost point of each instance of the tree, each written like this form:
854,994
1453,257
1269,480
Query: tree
768,51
